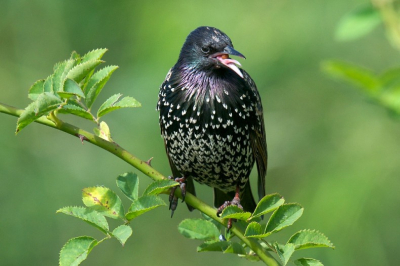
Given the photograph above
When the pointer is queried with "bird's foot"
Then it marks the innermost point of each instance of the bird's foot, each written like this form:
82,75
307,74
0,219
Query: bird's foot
234,202
173,200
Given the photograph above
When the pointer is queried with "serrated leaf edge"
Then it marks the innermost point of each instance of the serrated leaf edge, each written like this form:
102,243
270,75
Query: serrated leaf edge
92,245
313,231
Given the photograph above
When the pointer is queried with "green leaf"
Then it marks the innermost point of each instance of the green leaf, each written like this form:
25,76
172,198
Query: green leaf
217,224
284,252
103,131
122,233
112,104
235,212
92,217
26,117
159,186
44,103
96,54
96,83
76,250
308,262
36,89
71,88
235,248
129,185
60,72
283,217
213,246
72,107
353,74
267,204
92,55
309,239
78,72
254,229
103,200
358,23
143,205
48,84
198,229
250,257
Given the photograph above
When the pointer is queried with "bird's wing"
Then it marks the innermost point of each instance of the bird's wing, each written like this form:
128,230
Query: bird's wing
175,172
189,180
258,139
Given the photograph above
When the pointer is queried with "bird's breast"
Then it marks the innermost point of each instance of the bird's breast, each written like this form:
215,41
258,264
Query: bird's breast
207,128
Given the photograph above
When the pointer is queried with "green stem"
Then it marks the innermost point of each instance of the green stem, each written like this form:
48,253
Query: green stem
145,168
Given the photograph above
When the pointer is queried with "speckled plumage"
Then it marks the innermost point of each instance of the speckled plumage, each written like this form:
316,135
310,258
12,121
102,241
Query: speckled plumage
211,120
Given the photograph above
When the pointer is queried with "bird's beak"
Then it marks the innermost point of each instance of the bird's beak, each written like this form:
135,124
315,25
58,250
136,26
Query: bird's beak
223,57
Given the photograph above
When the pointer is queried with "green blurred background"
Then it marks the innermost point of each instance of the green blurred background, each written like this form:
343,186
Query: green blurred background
330,149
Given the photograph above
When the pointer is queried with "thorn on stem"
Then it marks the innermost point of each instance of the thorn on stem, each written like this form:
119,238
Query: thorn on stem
148,162
81,137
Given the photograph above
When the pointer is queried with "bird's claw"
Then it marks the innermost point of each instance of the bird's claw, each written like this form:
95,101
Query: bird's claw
173,200
234,202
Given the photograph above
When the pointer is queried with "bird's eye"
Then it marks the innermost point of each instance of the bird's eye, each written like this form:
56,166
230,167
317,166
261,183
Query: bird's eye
205,49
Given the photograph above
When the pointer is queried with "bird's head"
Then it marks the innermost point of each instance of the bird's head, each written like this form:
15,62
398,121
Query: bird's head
208,49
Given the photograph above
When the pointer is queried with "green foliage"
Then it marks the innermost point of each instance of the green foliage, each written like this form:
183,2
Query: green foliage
96,83
144,204
268,204
122,233
235,212
307,262
358,23
90,216
44,103
284,251
76,250
309,238
103,131
160,186
283,216
113,103
351,73
383,89
102,202
198,229
129,185
213,246
72,89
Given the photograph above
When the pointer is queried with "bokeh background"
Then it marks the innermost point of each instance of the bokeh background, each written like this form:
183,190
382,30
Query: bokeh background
330,149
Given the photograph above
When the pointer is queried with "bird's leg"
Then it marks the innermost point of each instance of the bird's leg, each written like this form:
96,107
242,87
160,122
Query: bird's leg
173,200
235,201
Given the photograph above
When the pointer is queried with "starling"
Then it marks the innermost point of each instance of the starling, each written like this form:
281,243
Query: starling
211,119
